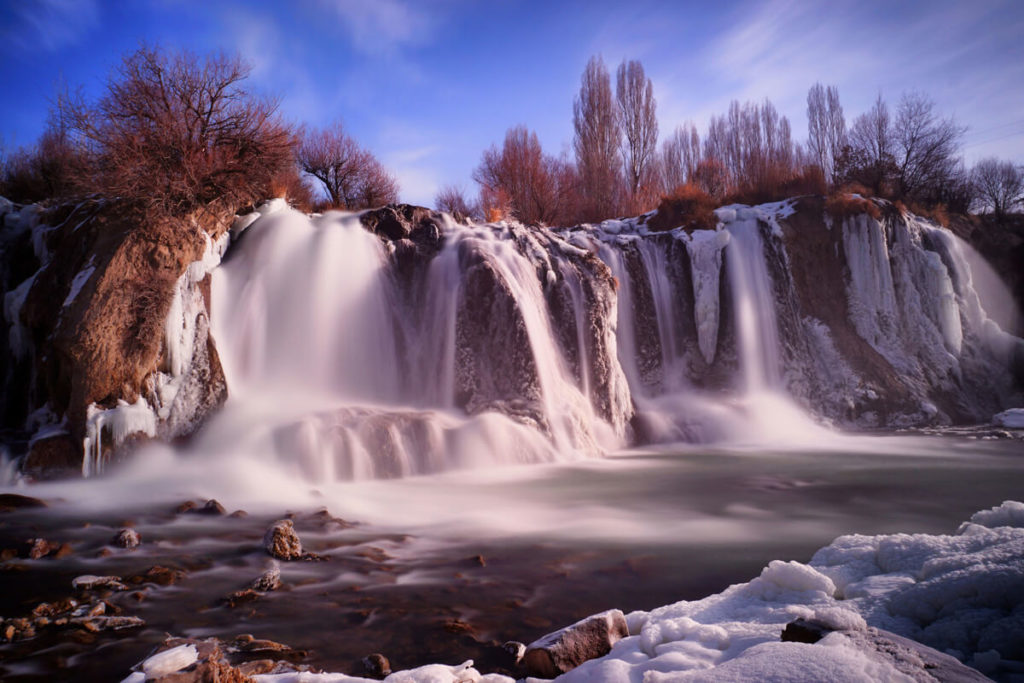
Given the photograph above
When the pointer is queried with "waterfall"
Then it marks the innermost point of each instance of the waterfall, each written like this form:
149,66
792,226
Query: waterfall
354,356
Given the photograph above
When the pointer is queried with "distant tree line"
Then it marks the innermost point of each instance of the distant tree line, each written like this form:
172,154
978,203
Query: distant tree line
174,132
748,154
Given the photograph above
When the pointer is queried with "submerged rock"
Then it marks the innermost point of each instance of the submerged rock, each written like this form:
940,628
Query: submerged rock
127,538
14,501
564,650
282,542
270,580
90,582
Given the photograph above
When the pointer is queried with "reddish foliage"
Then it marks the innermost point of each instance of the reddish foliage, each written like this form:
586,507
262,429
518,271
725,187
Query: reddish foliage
840,206
688,206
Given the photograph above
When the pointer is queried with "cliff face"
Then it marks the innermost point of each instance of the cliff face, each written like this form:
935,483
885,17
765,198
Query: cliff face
446,344
110,330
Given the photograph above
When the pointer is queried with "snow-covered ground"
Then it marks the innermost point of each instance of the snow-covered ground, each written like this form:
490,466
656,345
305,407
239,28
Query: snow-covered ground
961,593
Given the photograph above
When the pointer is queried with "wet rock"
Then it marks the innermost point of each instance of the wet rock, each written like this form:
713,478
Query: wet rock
564,650
241,597
377,665
516,649
187,506
804,631
212,507
282,542
88,582
100,623
37,548
8,554
238,514
248,644
162,576
127,538
269,580
64,550
18,629
13,501
53,457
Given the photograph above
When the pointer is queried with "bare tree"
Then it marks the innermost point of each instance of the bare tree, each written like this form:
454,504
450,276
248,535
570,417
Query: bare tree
596,143
520,179
826,135
868,157
999,185
926,147
680,154
639,123
351,176
451,199
752,143
175,131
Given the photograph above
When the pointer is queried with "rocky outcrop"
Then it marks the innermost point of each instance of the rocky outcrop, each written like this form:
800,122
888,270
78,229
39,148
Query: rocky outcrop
116,315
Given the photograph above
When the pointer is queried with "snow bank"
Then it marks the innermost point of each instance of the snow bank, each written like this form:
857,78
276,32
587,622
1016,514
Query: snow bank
962,593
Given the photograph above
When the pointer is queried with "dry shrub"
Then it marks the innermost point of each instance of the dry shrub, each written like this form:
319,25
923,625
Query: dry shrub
936,214
855,188
495,214
289,184
688,206
840,206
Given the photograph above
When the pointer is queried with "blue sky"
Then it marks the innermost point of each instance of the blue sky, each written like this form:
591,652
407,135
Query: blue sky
428,85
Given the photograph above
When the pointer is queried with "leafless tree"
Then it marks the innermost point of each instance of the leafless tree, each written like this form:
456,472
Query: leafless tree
639,123
868,157
451,199
520,179
926,147
752,143
175,131
680,154
596,143
826,127
998,184
350,175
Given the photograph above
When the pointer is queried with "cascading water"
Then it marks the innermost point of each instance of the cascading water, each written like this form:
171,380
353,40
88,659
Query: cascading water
350,356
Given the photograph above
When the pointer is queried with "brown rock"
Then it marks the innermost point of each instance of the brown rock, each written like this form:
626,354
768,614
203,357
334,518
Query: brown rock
564,650
212,507
187,506
53,457
162,576
64,550
282,542
37,548
241,597
377,665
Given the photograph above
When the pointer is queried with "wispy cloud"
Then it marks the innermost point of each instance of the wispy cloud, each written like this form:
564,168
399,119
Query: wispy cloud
384,27
49,24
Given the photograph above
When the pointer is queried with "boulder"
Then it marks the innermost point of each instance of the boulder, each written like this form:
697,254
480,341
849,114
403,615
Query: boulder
281,541
564,650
